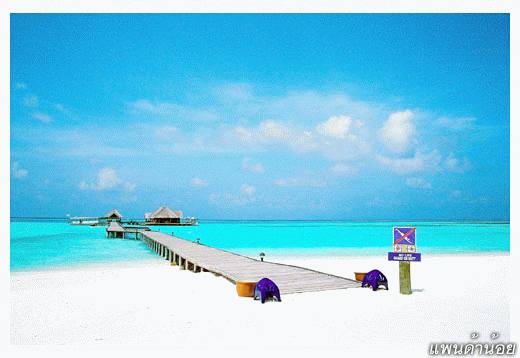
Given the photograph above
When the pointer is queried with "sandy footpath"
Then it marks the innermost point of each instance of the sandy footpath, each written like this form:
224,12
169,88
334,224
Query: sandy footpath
162,306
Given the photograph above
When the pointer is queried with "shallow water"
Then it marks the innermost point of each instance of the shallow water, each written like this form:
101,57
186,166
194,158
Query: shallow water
46,245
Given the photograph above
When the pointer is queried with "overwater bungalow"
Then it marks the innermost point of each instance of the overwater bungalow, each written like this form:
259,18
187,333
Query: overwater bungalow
164,215
113,215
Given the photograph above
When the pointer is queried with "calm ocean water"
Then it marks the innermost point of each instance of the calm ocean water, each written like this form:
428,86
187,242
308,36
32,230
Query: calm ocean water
38,245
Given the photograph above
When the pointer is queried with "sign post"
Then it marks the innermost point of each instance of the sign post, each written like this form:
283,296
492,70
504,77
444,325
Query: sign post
405,282
405,252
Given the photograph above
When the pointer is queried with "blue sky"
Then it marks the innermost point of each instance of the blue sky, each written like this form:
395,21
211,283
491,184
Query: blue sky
261,116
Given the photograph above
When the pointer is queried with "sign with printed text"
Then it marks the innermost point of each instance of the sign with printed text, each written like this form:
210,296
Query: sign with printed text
404,239
401,256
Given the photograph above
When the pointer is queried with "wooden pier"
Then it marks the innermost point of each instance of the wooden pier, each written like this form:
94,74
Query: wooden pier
197,257
115,230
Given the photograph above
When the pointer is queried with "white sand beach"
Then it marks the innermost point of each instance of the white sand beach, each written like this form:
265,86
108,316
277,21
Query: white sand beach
162,306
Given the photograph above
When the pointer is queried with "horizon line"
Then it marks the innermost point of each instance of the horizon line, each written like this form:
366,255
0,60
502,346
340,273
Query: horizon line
352,220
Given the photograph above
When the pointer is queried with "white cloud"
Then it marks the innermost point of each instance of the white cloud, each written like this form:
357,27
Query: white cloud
247,189
397,131
256,168
423,162
276,135
309,105
418,183
173,110
290,124
198,182
21,86
456,165
288,182
62,109
230,200
234,91
107,179
419,162
300,182
274,130
336,127
344,170
167,133
42,117
269,134
456,124
31,101
18,172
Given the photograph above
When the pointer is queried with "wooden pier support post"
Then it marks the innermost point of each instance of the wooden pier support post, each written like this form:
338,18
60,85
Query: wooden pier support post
405,282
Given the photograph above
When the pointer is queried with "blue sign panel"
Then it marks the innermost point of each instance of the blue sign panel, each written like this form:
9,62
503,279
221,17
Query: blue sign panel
403,256
404,236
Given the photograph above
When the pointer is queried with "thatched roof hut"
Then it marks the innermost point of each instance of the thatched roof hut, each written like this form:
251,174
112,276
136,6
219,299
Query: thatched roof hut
164,215
114,214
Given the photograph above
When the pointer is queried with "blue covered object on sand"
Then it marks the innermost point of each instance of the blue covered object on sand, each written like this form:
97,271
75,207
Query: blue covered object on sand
265,288
375,278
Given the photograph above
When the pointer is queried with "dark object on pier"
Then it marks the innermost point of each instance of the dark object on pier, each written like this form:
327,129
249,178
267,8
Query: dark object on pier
265,288
375,278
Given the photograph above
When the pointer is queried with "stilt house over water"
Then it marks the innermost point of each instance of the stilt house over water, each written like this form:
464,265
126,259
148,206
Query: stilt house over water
164,215
113,215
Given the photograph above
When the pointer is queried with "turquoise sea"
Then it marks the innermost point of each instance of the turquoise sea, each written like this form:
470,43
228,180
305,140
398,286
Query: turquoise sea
47,244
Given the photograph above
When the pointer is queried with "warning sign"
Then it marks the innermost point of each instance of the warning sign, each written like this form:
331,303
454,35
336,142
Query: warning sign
404,239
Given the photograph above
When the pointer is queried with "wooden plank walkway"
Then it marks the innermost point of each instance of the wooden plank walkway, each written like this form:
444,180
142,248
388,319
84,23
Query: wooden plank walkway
236,268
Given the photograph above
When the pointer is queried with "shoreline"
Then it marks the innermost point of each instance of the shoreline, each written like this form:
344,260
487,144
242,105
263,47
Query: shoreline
275,258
